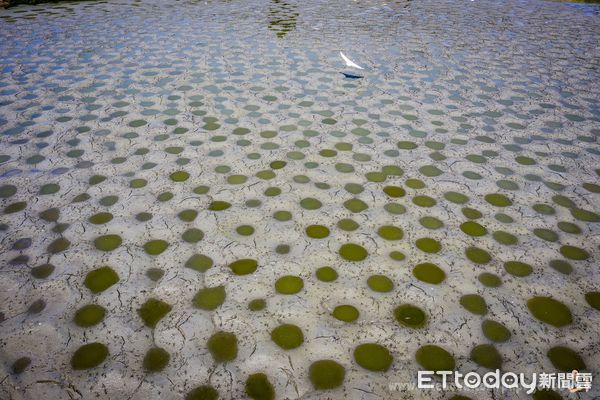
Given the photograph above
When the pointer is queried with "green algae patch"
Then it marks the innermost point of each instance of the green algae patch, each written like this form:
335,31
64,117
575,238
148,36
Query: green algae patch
326,374
152,311
550,311
565,359
209,298
435,358
487,356
474,303
156,359
472,228
593,299
410,316
429,273
199,262
89,356
489,280
389,232
518,268
155,247
495,331
380,283
223,346
219,205
326,274
243,266
428,245
59,245
498,200
20,365
287,336
424,201
100,279
353,252
258,387
477,255
346,313
204,392
192,235
108,242
355,205
317,231
574,252
100,218
394,191
310,203
155,274
179,176
289,284
373,357
89,315
257,305
42,271
187,215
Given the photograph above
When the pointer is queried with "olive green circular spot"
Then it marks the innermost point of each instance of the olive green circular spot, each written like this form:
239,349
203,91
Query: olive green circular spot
109,200
156,359
429,273
20,365
155,274
108,242
277,164
245,230
346,313
505,219
410,316
544,209
42,271
317,231
505,238
155,247
353,252
435,358
100,279
574,252
289,284
137,123
188,215
489,280
428,245
406,145
209,298
258,387
243,266
192,235
487,356
472,228
272,192
546,234
49,188
89,315
375,176
137,183
204,392
430,171
495,331
431,223
199,262
550,311
565,359
282,215
593,299
561,266
569,227
584,215
282,249
455,197
347,224
7,191
223,346
397,255
287,336
326,374
219,205
474,303
373,357
50,215
179,176
380,283
389,232
252,203
326,274
477,255
424,201
498,200
152,311
257,304
523,160
89,356
518,268
266,174
395,208
59,245
415,183
15,207
101,218
310,203
355,205
394,191
236,179
201,189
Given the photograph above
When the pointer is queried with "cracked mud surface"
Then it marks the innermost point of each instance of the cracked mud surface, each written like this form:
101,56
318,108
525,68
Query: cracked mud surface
174,179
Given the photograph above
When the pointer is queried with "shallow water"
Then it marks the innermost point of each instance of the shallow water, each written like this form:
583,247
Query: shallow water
176,176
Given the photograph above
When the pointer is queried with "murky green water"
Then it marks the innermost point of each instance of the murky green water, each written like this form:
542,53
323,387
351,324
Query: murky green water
195,202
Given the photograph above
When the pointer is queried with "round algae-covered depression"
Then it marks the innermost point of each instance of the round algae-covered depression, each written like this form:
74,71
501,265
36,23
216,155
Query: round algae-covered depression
205,200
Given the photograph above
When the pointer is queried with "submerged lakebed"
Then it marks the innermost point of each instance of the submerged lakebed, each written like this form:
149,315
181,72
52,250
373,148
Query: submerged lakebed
197,203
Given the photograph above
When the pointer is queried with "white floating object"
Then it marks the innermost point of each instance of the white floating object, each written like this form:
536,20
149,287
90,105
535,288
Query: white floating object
349,62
